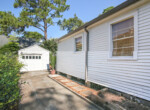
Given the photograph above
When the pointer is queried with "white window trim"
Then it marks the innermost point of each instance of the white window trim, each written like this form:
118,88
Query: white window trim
80,35
134,57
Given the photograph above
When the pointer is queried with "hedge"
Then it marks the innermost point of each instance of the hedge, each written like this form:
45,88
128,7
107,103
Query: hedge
9,81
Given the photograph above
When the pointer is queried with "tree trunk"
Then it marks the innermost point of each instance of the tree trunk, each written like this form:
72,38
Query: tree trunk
45,29
45,34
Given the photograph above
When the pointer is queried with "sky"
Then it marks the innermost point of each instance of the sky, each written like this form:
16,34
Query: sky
86,10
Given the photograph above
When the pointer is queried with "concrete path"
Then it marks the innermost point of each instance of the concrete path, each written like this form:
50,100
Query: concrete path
42,93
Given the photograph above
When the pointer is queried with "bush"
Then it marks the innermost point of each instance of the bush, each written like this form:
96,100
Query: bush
11,47
9,77
50,45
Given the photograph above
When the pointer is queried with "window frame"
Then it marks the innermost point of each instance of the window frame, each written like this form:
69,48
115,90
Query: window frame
75,42
133,15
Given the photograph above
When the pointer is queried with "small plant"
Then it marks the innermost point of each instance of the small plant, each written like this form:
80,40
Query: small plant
52,63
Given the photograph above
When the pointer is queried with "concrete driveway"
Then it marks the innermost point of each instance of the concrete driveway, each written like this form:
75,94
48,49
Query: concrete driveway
42,93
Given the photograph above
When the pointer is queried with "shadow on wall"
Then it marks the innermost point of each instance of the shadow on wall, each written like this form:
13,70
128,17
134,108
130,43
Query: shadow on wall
49,99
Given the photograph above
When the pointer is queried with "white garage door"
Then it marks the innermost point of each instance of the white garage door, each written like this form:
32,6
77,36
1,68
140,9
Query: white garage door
32,62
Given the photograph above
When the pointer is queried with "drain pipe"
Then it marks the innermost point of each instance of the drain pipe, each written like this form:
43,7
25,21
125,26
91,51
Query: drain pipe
86,55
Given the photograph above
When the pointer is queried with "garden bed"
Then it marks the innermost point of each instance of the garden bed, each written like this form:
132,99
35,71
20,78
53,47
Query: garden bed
112,101
104,97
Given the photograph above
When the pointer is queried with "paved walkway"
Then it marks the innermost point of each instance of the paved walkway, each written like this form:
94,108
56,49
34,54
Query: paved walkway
80,89
42,93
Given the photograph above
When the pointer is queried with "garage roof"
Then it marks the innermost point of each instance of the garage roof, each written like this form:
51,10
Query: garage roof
33,46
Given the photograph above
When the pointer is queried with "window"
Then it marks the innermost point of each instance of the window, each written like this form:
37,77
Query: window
23,57
36,57
123,38
26,57
33,57
78,44
39,57
30,57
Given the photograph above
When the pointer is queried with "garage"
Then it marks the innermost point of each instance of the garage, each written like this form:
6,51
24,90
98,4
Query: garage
34,58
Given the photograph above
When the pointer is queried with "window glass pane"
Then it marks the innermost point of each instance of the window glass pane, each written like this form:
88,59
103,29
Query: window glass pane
123,38
33,57
23,57
78,43
122,25
26,57
29,57
36,57
39,57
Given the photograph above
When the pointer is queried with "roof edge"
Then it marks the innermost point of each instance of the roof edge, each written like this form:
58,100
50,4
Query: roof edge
34,45
112,11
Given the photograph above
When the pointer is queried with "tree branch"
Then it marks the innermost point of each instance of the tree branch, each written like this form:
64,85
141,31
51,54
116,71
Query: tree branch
48,25
41,25
39,28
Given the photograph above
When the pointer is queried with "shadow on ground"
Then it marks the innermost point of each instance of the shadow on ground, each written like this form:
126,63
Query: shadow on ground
52,99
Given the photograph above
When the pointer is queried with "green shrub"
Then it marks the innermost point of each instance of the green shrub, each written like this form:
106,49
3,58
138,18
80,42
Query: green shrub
50,45
9,77
11,47
53,60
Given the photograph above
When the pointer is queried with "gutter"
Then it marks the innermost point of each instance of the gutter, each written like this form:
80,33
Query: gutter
103,16
86,55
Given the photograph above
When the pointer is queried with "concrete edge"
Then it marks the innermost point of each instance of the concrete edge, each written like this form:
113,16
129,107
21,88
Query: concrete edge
87,100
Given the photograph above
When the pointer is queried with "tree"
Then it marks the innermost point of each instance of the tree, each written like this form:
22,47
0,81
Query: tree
71,23
11,47
50,45
34,35
108,9
41,13
9,23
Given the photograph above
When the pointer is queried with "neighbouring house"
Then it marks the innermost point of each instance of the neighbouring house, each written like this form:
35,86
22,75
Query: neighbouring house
26,42
112,50
3,40
34,58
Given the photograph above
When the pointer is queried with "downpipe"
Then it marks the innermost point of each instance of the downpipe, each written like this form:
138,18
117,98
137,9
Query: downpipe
86,55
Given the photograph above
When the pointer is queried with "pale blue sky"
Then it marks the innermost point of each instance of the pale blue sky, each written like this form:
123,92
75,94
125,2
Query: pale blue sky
86,10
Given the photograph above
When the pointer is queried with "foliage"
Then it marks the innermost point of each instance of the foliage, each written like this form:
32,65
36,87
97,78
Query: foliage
9,77
50,45
70,24
41,13
52,60
9,23
108,9
13,37
34,35
11,47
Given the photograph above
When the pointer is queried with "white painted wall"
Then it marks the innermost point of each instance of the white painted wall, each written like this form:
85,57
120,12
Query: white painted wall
129,76
34,64
69,61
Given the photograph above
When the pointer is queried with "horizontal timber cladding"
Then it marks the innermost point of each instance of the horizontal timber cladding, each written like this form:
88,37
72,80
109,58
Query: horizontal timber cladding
71,63
129,76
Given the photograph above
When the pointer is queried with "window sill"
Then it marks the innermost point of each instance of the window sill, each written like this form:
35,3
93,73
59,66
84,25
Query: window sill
122,59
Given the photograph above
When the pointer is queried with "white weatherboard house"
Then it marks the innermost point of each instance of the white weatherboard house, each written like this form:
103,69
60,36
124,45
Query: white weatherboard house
112,50
34,58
